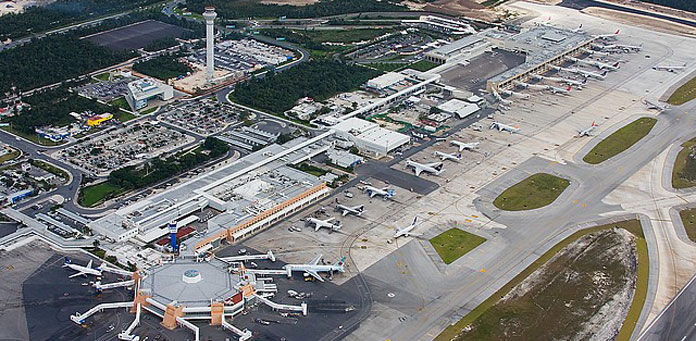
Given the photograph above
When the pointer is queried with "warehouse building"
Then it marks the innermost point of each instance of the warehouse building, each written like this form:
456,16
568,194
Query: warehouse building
543,47
443,54
369,137
459,108
141,91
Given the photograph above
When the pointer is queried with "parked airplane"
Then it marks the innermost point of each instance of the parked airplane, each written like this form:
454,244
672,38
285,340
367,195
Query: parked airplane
345,210
515,94
451,157
578,29
577,84
625,48
406,231
314,268
608,36
501,99
656,106
81,270
670,68
385,192
328,223
586,74
599,65
588,130
464,146
557,90
504,127
432,168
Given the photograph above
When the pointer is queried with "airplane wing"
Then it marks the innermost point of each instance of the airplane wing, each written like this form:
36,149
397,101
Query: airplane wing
435,164
461,148
315,275
316,260
77,274
345,212
372,194
89,265
418,170
316,227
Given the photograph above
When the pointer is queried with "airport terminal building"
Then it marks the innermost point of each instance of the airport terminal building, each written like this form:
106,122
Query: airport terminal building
247,195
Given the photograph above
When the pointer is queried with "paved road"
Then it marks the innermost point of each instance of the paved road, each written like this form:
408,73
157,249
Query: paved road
678,320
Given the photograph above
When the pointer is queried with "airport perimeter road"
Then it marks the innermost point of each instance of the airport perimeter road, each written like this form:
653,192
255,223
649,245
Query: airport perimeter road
678,320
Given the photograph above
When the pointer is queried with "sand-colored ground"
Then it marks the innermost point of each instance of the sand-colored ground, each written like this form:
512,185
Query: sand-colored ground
467,8
653,8
655,24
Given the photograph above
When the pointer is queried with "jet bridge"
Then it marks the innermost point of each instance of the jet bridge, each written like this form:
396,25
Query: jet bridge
302,307
267,255
126,334
243,334
99,286
80,318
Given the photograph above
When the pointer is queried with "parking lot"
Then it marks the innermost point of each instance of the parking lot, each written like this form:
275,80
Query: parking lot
205,117
405,47
123,147
106,91
244,56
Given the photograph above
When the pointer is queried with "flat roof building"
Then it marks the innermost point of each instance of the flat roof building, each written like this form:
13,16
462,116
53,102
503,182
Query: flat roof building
369,137
143,90
459,108
385,81
444,53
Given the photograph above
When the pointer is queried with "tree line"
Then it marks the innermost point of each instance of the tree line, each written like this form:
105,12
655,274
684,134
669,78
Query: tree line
163,67
318,79
157,170
60,13
53,107
235,9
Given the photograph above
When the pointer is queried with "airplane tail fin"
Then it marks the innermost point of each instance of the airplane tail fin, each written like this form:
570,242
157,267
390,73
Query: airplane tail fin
594,124
459,156
568,88
415,220
341,264
66,261
617,31
390,192
360,208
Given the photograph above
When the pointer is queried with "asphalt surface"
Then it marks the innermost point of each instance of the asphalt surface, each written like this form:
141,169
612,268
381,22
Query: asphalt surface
677,321
582,4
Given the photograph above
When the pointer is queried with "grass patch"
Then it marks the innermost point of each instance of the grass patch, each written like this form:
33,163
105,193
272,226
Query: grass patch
149,111
631,319
688,218
9,156
314,170
533,192
119,102
95,194
104,77
684,170
422,65
684,93
620,140
124,116
454,243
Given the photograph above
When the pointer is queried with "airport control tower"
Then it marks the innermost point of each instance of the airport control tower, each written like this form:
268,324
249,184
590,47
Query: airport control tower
172,235
209,16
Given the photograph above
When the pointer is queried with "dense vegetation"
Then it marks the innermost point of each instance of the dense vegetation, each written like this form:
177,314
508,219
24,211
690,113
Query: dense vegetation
53,107
687,5
157,170
230,9
160,44
61,13
316,79
163,67
53,59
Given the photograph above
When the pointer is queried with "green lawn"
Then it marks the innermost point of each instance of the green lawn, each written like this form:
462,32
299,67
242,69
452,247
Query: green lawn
92,195
124,116
119,102
422,65
454,243
639,296
9,156
533,192
620,140
103,76
148,111
684,93
680,172
688,218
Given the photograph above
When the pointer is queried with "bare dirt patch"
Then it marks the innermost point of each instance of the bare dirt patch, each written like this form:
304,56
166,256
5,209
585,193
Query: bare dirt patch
467,8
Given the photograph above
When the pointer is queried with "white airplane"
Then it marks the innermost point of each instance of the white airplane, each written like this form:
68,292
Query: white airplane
451,157
577,84
557,90
504,127
328,223
578,29
345,210
464,146
656,106
406,231
432,168
501,99
608,36
625,48
586,74
588,130
314,268
669,68
515,94
385,192
81,270
599,65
